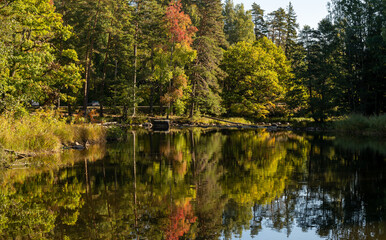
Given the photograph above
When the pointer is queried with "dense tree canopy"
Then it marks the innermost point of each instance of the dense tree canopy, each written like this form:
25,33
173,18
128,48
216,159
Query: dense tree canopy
168,53
35,65
257,75
238,23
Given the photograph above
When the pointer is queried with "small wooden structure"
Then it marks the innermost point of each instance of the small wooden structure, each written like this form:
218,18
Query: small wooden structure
160,125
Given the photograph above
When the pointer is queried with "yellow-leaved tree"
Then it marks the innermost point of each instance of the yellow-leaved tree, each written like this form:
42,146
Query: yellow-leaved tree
257,78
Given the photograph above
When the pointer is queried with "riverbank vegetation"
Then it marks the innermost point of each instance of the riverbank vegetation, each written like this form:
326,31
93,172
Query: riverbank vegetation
185,58
44,132
355,124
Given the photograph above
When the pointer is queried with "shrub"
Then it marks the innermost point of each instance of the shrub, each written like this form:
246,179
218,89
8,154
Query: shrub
378,123
88,132
115,134
356,122
44,131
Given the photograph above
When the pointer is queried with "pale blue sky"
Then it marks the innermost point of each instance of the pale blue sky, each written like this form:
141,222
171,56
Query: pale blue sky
309,12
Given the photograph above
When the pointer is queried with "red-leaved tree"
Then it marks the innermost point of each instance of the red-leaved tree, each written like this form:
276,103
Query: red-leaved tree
180,28
180,220
180,33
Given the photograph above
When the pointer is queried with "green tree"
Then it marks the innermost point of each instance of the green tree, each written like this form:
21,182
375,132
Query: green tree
277,23
103,38
35,65
326,69
291,31
310,44
205,73
257,78
180,35
152,40
323,70
259,21
360,25
296,94
238,23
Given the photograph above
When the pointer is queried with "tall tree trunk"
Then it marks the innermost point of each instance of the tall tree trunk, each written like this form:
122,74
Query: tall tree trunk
170,82
89,52
69,110
124,114
135,57
101,100
161,108
135,78
193,99
152,89
85,92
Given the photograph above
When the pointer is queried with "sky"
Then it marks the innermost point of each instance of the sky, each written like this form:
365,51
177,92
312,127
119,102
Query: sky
309,12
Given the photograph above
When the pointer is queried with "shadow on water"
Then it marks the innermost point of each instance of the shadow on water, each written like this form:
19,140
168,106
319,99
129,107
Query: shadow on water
202,184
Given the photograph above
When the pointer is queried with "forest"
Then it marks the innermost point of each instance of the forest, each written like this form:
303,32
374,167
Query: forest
65,176
192,58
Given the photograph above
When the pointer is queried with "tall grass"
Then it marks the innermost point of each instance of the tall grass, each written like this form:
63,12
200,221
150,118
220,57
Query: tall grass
44,131
204,120
358,123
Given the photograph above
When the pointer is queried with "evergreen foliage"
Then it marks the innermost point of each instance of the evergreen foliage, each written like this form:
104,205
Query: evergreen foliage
168,53
205,73
238,23
259,21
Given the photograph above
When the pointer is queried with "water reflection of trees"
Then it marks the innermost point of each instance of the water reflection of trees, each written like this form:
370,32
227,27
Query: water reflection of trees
36,200
344,196
196,184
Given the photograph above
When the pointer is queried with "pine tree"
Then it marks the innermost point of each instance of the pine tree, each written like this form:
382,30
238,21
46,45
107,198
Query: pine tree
103,39
152,39
205,73
291,31
277,27
308,40
238,23
325,65
258,19
360,24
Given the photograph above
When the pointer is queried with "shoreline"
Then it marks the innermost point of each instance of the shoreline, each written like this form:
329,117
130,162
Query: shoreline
114,131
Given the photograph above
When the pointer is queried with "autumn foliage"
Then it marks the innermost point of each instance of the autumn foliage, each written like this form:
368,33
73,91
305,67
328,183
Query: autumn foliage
179,24
181,218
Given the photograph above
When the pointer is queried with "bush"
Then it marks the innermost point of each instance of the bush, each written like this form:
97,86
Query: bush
378,123
115,134
359,123
88,132
44,131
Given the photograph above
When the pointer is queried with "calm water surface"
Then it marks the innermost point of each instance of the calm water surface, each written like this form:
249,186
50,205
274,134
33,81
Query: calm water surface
202,184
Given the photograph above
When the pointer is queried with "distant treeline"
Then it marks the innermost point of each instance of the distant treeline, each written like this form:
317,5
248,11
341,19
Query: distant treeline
193,57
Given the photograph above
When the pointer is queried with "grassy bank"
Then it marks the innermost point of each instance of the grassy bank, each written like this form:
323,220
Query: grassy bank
208,121
359,124
44,132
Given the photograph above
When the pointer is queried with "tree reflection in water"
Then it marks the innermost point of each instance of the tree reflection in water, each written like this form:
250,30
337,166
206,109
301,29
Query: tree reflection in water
201,184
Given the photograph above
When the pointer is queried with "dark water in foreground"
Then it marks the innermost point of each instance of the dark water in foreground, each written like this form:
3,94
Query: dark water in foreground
196,184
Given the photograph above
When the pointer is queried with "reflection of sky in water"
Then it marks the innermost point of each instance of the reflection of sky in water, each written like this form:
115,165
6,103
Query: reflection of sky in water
296,232
269,234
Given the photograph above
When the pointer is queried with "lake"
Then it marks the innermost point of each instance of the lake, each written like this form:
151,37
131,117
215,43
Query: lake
202,184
